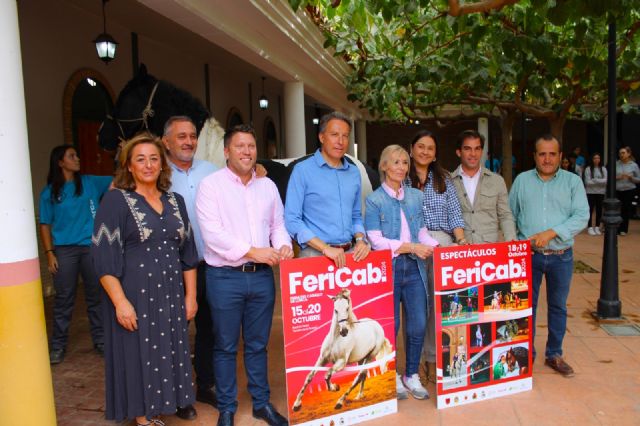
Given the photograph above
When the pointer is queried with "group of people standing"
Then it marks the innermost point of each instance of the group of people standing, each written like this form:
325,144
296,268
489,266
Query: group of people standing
176,239
594,175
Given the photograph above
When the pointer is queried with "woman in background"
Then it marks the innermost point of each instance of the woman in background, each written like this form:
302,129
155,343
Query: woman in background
595,182
627,176
68,205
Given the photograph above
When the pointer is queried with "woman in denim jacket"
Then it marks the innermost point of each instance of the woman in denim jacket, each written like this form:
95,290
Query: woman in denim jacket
394,221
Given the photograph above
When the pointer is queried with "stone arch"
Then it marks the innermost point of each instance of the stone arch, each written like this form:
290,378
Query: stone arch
234,117
67,99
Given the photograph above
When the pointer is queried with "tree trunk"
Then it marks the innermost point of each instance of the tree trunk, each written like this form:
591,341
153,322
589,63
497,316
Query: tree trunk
508,118
556,125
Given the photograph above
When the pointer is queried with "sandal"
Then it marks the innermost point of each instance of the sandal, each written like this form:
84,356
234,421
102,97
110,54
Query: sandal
152,422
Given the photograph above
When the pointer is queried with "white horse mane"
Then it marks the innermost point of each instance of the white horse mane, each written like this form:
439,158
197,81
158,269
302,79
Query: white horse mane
211,143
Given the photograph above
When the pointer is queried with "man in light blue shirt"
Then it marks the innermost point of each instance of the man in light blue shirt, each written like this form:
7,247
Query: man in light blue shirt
180,141
323,211
550,207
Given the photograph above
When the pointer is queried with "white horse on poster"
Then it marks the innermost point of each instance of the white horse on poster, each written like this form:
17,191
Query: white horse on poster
349,341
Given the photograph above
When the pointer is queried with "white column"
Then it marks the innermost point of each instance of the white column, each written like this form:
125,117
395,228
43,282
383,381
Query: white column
25,374
296,142
483,129
361,140
352,139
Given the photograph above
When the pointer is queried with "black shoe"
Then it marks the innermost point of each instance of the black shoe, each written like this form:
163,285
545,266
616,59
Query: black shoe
225,418
270,415
99,347
56,356
187,413
207,395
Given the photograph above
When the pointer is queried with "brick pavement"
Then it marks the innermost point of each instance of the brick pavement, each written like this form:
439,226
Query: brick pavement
605,390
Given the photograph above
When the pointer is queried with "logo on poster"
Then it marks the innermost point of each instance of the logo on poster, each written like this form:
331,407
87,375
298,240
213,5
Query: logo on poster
478,274
342,278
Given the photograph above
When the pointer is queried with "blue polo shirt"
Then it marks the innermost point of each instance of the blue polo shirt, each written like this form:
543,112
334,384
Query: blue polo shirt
186,184
323,201
71,216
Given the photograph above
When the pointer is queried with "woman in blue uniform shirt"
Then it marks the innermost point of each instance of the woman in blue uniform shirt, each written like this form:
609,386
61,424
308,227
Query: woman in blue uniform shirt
68,205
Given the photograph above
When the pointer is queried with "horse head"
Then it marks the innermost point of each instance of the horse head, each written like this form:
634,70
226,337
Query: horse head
126,118
146,103
342,312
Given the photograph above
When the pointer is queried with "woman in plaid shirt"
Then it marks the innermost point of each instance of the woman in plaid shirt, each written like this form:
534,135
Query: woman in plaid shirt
442,216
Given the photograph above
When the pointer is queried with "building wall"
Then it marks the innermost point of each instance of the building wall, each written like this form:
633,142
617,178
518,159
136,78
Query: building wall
56,40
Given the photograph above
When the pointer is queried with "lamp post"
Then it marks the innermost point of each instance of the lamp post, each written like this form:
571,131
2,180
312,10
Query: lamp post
609,305
105,44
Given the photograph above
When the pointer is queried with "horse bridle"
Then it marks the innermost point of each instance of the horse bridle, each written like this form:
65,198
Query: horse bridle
147,113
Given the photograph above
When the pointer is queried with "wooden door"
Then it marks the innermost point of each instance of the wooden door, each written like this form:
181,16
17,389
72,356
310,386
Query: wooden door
93,159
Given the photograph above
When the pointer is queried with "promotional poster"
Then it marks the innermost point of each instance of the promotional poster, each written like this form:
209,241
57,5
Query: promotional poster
339,339
483,321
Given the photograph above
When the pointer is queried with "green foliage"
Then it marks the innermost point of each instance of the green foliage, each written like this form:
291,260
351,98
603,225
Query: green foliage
545,57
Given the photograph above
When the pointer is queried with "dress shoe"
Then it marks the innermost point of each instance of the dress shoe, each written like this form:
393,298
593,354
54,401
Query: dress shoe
187,413
56,356
207,395
270,415
558,364
99,347
225,418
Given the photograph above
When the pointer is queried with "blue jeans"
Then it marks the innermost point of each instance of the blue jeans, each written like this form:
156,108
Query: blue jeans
409,290
240,300
203,348
557,270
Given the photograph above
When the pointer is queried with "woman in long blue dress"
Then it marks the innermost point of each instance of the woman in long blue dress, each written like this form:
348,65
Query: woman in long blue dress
67,207
145,256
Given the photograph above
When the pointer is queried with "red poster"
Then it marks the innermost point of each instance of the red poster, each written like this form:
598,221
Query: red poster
338,323
483,321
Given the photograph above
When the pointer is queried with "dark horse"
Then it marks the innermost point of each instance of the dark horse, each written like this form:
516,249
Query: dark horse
521,355
146,103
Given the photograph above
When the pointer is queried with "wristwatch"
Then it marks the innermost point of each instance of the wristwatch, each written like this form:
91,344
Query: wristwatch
358,239
461,241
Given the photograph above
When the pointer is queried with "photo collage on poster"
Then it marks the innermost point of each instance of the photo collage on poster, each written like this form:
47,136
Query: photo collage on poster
481,352
485,333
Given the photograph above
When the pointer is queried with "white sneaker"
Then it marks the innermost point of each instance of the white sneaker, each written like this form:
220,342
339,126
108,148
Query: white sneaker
414,387
597,229
400,390
591,231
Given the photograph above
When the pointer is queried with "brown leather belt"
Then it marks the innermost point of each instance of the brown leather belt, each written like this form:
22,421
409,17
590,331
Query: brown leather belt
551,252
249,267
344,246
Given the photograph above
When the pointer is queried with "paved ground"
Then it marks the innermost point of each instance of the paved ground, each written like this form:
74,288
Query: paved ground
604,391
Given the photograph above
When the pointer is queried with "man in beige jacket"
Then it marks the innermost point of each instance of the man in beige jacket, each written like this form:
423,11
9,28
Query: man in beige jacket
482,194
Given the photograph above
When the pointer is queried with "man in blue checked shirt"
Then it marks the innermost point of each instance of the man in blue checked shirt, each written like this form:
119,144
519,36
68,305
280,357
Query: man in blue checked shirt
550,207
323,211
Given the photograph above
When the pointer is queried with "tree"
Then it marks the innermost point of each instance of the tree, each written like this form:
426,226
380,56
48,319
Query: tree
412,59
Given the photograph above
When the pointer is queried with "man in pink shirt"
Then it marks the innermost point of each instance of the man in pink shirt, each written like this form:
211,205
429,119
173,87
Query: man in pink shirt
242,225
